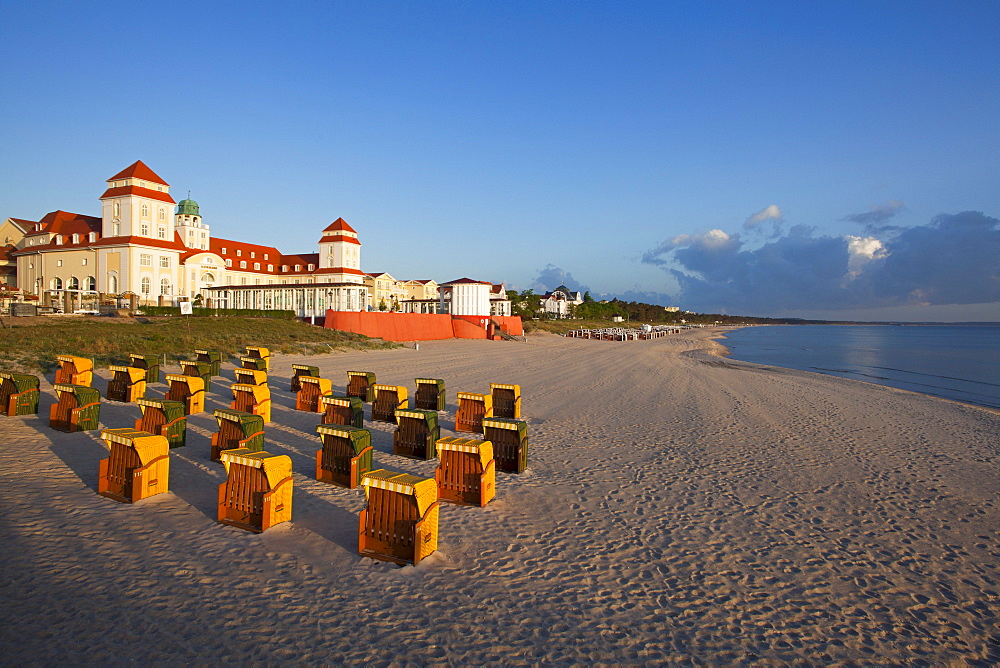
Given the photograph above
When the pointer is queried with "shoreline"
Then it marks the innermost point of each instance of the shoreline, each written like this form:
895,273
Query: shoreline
679,506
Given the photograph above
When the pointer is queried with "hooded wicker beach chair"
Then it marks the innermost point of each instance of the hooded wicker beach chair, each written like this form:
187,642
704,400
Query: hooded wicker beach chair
346,454
361,384
400,524
262,354
506,400
472,408
212,358
430,394
151,363
416,433
127,384
250,376
388,398
257,493
201,370
466,474
348,411
163,417
18,394
254,399
237,429
74,370
137,468
311,390
510,443
78,408
299,370
190,390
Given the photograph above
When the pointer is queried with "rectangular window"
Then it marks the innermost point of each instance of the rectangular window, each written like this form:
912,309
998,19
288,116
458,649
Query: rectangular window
239,253
243,264
229,262
146,260
256,266
58,263
165,262
223,251
253,254
270,267
84,262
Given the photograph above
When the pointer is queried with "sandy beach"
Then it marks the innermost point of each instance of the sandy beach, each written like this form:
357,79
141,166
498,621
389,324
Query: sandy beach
679,507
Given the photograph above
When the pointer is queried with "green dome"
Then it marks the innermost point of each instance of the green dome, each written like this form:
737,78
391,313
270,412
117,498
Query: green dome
187,207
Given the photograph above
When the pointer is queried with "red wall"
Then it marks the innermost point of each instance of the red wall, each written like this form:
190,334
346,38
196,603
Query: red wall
416,326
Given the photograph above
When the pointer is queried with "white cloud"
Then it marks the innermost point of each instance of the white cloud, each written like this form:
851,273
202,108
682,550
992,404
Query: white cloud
708,240
771,212
861,251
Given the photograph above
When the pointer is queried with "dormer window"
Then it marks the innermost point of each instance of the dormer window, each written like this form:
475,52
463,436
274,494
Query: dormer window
311,267
243,264
59,240
229,263
284,267
223,251
265,256
253,254
76,238
239,253
298,267
270,267
92,237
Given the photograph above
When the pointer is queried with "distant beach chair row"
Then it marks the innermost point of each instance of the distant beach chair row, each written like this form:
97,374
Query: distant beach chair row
400,523
623,333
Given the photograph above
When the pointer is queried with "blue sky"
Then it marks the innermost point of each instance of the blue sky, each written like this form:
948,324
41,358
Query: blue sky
811,159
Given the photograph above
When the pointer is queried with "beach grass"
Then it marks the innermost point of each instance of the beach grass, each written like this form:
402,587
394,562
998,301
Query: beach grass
33,347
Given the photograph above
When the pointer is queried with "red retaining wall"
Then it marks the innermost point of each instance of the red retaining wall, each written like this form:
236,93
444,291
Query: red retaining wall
417,326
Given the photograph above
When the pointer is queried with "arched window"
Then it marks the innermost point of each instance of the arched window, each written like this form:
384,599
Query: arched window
207,279
113,283
118,209
56,284
164,286
145,285
73,283
90,284
256,266
243,264
116,229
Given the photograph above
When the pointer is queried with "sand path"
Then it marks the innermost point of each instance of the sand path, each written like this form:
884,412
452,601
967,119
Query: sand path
678,507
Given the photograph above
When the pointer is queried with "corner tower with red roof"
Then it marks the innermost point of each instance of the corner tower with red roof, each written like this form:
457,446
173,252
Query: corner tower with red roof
137,203
340,254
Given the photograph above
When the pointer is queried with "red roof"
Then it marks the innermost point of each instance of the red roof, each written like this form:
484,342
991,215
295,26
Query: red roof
139,170
340,270
141,192
340,237
340,225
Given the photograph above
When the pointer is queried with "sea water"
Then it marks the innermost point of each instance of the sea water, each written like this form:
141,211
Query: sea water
952,361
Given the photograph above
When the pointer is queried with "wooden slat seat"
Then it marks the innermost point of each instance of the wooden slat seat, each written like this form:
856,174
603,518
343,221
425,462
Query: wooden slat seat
261,354
19,394
137,468
165,418
400,523
466,474
346,455
416,433
250,376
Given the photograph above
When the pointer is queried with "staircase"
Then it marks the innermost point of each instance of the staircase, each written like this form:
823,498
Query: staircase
505,335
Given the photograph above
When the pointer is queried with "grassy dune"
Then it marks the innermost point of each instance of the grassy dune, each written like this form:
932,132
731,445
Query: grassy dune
31,344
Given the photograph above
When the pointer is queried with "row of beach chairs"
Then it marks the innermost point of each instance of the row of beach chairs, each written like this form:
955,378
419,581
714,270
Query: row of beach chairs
400,522
622,333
